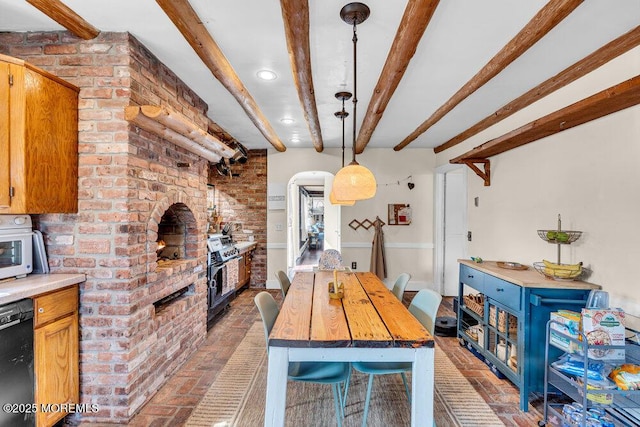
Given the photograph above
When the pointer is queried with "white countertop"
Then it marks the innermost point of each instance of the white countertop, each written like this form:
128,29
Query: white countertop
243,246
35,284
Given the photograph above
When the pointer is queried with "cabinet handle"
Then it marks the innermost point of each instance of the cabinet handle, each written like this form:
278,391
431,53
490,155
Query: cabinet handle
41,310
499,289
470,276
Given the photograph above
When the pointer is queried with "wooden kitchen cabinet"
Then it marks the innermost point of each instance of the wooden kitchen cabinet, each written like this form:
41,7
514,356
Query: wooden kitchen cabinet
38,140
55,353
244,266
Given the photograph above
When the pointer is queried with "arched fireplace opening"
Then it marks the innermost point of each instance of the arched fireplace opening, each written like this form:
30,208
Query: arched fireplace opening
177,234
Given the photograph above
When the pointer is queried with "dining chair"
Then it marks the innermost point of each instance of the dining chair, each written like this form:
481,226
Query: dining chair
284,282
424,308
334,373
400,285
330,259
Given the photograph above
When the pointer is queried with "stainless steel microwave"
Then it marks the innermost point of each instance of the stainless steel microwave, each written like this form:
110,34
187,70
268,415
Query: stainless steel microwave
16,246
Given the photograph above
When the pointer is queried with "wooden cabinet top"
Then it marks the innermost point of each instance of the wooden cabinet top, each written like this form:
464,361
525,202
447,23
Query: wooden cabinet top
528,278
22,63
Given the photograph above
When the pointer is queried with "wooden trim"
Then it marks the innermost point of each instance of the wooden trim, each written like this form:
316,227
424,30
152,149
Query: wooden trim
417,16
295,14
187,21
66,17
615,98
178,129
543,22
601,56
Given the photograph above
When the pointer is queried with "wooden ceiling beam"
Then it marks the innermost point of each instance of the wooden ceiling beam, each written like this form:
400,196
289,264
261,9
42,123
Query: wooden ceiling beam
616,98
66,17
414,22
152,121
189,24
543,22
295,14
581,68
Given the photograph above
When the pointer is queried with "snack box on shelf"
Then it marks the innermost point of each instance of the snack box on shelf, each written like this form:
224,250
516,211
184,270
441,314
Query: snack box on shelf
568,323
604,327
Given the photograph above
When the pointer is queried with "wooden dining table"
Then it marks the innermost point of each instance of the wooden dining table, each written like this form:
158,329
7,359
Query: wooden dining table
369,324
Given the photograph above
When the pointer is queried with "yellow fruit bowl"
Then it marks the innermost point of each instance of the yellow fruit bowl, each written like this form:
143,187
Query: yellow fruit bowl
566,272
559,236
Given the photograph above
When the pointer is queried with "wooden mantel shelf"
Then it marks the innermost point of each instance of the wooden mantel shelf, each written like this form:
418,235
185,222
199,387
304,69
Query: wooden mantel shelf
177,128
615,98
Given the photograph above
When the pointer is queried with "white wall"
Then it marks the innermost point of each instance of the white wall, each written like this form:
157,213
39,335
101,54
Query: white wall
589,174
408,248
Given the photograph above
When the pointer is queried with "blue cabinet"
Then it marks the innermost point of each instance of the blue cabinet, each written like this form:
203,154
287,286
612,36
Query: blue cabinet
507,328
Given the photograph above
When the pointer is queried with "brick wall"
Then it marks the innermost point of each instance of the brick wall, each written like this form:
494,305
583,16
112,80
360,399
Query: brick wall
243,200
127,179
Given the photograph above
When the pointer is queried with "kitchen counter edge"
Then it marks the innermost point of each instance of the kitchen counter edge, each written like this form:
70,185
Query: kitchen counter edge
529,278
245,246
36,284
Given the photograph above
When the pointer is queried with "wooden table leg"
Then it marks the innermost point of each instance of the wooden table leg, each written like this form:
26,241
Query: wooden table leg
276,386
422,383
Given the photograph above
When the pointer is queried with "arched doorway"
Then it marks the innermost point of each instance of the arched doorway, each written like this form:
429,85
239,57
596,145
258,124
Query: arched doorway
297,241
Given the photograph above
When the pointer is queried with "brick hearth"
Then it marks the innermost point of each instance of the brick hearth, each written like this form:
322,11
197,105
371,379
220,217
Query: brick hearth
127,179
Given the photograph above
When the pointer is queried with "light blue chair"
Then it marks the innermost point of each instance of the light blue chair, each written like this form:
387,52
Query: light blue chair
401,285
334,373
285,283
424,307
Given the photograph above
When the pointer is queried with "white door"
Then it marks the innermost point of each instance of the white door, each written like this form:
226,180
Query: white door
332,239
454,228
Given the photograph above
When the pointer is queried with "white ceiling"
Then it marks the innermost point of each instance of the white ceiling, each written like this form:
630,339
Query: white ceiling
461,38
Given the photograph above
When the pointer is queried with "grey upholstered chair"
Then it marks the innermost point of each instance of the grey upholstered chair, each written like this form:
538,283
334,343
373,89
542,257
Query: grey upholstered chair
330,259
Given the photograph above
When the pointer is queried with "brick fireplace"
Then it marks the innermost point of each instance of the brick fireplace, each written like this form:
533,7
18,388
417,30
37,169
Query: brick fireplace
139,319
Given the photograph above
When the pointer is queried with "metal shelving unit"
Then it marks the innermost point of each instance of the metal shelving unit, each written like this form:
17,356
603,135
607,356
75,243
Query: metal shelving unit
624,406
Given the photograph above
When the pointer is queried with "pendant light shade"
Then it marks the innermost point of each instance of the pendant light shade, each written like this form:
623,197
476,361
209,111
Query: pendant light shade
335,201
354,182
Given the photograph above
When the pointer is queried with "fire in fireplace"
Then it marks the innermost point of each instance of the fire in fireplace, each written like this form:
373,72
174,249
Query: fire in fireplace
173,233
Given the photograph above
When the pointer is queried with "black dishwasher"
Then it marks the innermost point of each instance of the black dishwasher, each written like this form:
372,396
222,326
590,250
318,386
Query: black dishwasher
16,364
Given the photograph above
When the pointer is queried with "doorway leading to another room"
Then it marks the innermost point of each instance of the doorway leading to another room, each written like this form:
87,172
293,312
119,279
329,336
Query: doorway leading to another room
313,223
450,226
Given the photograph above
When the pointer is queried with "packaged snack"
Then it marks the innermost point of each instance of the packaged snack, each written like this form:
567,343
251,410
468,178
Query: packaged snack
568,324
626,376
574,366
606,328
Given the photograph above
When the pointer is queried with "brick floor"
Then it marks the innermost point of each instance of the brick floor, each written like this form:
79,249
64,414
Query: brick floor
174,402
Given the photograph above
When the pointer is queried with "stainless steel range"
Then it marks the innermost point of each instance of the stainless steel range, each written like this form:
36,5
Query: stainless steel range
220,250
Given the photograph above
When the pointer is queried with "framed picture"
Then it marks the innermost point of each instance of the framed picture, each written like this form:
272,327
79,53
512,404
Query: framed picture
399,214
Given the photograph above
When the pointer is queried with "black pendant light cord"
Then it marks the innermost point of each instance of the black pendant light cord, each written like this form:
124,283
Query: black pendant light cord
342,120
355,90
342,96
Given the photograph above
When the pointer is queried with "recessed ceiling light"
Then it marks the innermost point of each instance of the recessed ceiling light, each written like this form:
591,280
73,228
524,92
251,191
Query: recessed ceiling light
295,139
267,75
287,120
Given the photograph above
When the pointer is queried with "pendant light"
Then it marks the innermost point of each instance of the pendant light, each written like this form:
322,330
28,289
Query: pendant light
343,96
354,182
